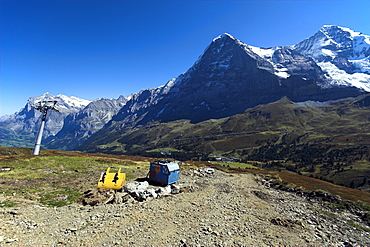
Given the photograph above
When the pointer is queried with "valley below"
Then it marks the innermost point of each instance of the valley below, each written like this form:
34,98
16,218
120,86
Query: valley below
327,141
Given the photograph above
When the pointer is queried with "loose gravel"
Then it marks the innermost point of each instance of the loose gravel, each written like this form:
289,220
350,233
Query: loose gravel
217,209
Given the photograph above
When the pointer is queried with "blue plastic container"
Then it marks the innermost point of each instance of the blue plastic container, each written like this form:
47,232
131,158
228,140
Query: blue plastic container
164,172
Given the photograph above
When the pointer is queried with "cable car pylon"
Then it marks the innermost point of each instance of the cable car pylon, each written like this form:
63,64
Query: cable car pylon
43,107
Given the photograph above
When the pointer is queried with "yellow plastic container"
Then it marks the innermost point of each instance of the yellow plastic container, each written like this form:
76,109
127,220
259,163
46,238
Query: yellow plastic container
112,180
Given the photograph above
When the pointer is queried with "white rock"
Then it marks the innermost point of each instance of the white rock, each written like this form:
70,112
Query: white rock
209,170
175,189
152,193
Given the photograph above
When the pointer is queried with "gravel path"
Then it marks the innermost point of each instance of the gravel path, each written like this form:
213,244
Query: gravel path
218,210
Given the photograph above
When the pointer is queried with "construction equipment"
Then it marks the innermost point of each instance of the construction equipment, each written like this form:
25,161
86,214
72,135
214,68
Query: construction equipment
112,180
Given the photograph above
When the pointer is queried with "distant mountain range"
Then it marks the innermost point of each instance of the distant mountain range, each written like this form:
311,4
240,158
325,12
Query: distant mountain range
228,78
76,120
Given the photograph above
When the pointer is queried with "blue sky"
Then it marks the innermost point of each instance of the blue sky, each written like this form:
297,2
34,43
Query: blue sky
104,49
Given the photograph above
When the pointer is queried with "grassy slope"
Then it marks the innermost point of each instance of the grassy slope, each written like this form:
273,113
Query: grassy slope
9,138
299,181
334,139
272,119
57,178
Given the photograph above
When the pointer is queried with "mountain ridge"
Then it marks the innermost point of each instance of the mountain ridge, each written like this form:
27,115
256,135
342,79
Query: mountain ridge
21,127
231,76
228,64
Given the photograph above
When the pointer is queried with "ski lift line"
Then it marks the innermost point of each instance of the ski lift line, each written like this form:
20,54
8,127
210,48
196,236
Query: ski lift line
43,107
46,104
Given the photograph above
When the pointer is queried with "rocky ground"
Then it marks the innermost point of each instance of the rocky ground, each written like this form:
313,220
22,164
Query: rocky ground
212,209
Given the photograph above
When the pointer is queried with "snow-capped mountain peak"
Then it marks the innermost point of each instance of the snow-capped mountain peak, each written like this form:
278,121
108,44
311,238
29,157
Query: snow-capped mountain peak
329,30
74,101
342,53
223,36
334,41
64,103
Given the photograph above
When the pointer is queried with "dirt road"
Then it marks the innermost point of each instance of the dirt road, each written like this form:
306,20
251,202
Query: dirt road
217,210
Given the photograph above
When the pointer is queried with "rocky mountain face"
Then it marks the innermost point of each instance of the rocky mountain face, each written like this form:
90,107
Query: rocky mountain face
231,76
80,125
20,128
77,119
342,53
28,119
228,78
